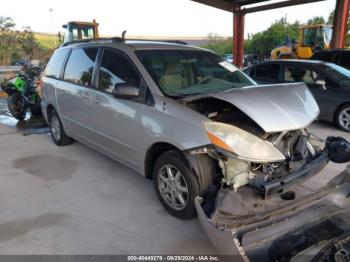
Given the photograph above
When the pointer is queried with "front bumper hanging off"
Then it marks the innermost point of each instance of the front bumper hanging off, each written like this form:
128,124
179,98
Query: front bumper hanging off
287,232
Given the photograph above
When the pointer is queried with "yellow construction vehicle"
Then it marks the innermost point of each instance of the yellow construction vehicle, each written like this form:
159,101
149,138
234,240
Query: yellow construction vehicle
311,38
75,30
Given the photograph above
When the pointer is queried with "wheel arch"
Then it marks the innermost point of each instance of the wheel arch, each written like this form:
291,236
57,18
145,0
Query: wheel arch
336,111
153,153
203,167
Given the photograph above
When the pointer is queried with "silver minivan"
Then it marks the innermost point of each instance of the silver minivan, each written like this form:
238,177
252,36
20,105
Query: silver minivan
183,117
213,141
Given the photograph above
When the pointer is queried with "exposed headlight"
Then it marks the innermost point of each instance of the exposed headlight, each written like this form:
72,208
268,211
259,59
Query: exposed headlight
241,143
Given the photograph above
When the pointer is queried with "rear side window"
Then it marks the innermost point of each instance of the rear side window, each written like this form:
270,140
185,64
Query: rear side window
116,68
345,59
54,67
80,66
267,71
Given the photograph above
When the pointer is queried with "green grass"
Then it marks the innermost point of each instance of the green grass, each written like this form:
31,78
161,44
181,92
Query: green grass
46,40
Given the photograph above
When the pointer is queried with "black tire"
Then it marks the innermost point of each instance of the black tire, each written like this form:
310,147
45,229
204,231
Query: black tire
176,160
35,110
58,135
16,107
340,119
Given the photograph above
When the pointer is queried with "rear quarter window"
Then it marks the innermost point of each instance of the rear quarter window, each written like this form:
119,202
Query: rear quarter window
80,66
54,67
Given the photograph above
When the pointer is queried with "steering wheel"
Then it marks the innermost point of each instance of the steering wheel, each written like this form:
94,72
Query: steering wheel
205,80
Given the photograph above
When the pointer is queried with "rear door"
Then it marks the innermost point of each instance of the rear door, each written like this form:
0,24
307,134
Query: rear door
266,73
74,92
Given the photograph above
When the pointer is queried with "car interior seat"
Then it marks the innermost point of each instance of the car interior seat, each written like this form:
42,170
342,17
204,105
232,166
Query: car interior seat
308,77
298,74
288,75
172,79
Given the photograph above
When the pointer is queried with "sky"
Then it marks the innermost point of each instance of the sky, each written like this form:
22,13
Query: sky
149,17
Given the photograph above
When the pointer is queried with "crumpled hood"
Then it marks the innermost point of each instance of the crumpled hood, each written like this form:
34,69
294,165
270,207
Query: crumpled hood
275,108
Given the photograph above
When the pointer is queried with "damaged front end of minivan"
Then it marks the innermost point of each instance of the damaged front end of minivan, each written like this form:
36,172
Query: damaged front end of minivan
262,153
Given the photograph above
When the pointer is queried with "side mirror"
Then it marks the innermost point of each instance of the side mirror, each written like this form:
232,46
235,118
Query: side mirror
321,82
125,91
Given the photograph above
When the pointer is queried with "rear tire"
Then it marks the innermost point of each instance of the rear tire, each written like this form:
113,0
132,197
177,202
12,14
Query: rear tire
16,107
35,109
176,185
342,118
58,135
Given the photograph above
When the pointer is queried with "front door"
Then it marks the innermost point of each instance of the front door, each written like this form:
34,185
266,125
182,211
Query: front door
117,123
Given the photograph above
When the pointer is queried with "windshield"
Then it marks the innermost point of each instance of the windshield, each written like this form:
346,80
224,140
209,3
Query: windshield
341,74
187,72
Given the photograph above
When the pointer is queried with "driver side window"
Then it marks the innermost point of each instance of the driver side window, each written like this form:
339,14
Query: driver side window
116,68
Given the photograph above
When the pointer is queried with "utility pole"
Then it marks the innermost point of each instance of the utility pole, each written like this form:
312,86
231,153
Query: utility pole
53,27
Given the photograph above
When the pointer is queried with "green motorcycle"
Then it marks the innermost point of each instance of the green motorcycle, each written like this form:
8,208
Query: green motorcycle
22,94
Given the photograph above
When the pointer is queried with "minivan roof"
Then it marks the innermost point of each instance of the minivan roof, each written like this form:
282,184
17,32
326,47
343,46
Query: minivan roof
134,44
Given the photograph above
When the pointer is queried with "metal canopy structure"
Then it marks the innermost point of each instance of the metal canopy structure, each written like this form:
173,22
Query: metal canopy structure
237,5
242,7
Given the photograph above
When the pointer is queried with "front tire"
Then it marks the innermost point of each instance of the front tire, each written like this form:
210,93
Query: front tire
58,135
176,185
342,118
16,106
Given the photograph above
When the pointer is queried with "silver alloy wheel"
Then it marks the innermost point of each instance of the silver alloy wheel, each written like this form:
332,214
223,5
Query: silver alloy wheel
173,187
55,128
344,118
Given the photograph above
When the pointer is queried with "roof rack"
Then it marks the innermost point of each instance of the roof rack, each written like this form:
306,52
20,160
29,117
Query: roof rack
121,40
102,39
179,42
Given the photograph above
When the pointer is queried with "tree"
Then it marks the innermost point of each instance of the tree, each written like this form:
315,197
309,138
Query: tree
8,43
316,20
278,33
15,44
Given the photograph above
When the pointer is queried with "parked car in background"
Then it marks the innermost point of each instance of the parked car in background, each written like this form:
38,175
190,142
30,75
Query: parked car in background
229,58
250,59
328,82
337,56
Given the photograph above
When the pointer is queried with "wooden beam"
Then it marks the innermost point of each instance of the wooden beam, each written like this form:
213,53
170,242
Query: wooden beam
277,5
